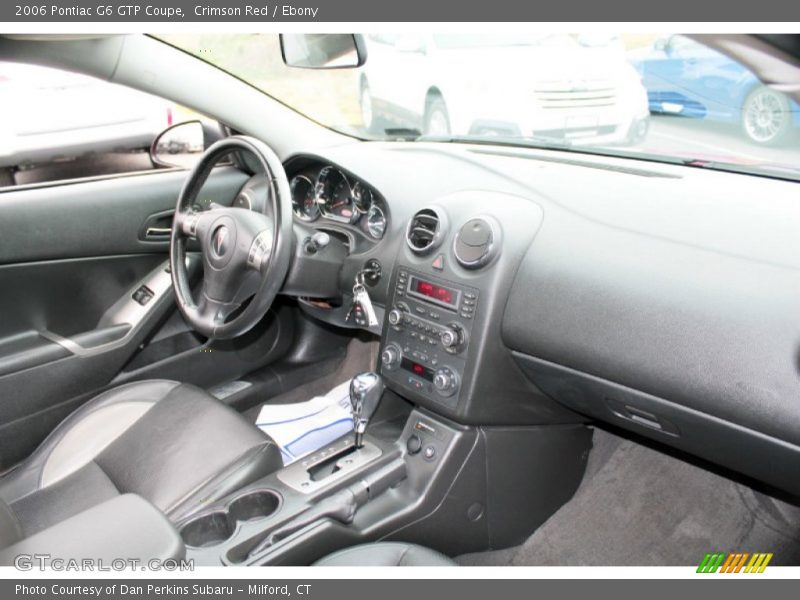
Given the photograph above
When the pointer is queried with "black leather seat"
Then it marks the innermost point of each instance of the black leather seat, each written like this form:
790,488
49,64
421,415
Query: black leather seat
171,443
386,554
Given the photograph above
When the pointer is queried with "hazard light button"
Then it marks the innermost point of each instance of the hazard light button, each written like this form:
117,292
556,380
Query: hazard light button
438,263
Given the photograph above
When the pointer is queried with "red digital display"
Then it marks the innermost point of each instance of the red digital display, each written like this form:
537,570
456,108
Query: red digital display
417,369
437,292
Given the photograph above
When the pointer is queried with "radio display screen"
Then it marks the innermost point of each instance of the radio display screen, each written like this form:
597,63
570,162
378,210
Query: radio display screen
437,293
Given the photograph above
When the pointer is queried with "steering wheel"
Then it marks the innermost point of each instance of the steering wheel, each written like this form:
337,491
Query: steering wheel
246,254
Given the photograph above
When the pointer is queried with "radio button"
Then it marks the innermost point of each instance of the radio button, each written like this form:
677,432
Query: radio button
395,317
415,383
449,338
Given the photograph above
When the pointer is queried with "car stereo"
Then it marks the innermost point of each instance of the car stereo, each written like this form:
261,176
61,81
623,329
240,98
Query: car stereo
423,289
426,336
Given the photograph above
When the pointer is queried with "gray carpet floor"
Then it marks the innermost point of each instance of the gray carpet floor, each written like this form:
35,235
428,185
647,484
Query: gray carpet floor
639,506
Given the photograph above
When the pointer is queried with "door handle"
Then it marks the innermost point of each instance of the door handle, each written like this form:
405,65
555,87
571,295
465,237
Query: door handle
158,231
157,227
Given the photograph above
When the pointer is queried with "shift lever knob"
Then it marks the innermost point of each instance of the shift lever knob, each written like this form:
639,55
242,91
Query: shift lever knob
366,390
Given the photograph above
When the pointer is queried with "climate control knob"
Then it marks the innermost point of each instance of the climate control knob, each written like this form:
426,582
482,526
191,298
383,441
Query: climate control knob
391,357
445,381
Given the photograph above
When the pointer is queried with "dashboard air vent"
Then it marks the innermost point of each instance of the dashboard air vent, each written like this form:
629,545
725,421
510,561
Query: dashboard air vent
476,243
424,231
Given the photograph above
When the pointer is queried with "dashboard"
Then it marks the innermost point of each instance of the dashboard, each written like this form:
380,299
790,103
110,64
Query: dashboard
640,294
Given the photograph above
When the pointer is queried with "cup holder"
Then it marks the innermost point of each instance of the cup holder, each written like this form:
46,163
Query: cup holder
209,529
255,505
216,527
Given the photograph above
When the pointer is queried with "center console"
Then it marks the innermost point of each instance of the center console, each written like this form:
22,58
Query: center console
427,335
448,472
339,496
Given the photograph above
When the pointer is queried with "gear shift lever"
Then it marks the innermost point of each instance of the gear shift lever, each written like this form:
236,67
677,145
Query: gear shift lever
366,390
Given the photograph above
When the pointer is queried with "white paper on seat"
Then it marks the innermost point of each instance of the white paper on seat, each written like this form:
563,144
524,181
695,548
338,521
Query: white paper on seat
305,427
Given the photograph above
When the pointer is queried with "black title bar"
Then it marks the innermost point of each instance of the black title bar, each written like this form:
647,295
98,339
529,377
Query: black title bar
361,11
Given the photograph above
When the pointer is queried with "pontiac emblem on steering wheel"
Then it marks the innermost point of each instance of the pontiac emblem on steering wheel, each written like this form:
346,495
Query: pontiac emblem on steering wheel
219,244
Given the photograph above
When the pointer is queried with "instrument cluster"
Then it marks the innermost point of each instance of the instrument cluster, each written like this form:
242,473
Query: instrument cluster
330,194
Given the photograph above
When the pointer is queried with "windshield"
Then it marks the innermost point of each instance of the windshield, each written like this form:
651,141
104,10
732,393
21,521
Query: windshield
485,40
664,97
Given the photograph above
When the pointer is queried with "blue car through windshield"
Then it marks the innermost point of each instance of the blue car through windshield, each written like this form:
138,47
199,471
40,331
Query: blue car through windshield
686,78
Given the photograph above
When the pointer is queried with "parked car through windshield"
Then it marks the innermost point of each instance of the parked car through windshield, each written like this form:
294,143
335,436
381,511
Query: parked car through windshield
442,84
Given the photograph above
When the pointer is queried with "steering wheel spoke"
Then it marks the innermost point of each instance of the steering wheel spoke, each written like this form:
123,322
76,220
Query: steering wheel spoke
213,313
260,250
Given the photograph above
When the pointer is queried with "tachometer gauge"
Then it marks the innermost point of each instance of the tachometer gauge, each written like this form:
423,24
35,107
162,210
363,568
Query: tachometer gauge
362,197
376,221
304,198
334,196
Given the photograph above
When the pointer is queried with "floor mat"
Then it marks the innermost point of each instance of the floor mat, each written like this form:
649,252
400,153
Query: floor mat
639,506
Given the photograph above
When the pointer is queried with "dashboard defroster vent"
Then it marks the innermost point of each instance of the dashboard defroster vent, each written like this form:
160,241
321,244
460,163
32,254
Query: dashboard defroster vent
425,230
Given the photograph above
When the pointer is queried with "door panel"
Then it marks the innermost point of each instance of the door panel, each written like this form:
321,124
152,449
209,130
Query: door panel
97,218
72,259
67,296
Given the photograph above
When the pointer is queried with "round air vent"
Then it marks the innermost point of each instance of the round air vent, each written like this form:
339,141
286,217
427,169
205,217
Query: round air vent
476,243
425,230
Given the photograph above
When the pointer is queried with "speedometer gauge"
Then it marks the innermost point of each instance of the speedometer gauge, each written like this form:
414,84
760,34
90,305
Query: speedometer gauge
304,198
334,196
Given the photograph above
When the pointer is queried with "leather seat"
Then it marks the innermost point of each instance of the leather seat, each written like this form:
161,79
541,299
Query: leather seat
171,443
386,554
